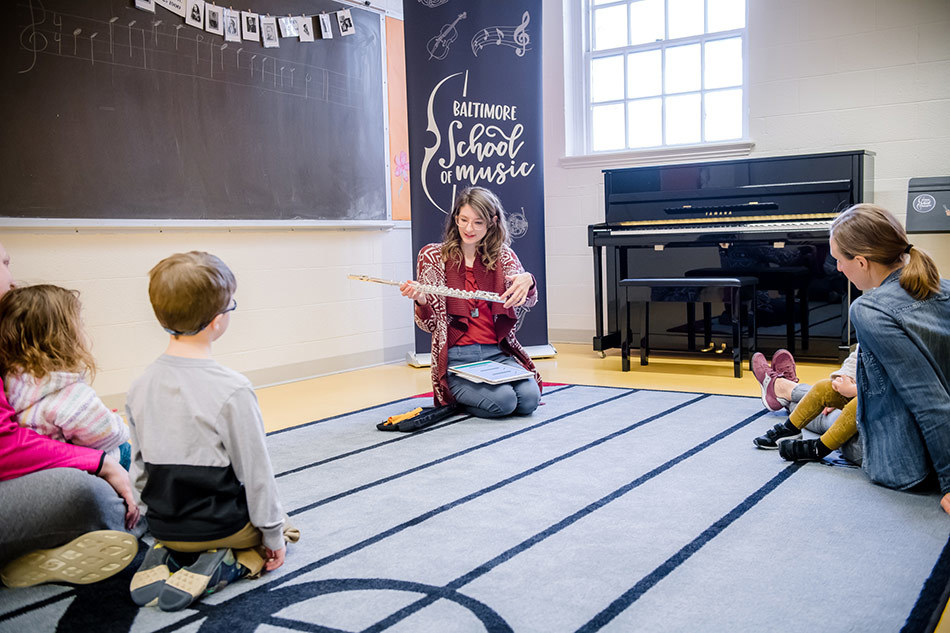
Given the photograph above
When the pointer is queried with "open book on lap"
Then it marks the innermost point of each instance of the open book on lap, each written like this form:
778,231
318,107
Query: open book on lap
488,371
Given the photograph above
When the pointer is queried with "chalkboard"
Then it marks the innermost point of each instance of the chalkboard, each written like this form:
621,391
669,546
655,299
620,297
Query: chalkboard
110,112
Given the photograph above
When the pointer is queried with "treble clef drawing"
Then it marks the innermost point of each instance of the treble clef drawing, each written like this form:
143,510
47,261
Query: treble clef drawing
522,39
438,46
31,39
515,37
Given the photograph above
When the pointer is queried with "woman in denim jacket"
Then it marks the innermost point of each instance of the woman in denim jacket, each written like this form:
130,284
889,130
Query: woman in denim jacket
903,326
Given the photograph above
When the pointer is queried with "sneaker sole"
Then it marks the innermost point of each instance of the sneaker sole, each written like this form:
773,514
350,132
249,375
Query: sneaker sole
189,583
89,558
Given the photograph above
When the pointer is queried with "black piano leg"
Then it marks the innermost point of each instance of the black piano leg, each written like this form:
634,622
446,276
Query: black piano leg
737,332
707,326
790,319
753,332
803,317
691,326
624,329
645,334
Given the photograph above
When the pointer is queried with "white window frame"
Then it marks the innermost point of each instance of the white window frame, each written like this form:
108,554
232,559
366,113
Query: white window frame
578,111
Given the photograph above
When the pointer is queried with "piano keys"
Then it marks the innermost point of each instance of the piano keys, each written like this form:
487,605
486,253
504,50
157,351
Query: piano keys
767,215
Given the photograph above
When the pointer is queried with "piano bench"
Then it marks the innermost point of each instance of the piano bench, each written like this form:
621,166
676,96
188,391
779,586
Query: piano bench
738,291
787,280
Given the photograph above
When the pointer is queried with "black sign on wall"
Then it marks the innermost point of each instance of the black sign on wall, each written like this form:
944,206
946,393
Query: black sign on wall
473,74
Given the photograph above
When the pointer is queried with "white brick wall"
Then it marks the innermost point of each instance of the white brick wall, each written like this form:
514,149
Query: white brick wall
825,75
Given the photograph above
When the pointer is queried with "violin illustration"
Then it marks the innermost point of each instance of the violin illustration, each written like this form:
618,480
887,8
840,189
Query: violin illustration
438,46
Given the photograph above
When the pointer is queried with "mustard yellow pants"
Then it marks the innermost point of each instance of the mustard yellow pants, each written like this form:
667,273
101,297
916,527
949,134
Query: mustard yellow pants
822,395
246,544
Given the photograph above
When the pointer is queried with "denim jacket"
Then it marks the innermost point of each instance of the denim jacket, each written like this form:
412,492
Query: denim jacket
903,390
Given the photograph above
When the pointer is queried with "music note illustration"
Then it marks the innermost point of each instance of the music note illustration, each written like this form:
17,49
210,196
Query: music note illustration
199,38
178,28
237,57
35,41
112,22
522,39
222,47
253,57
58,38
500,36
292,77
92,48
307,86
282,76
438,46
75,38
155,25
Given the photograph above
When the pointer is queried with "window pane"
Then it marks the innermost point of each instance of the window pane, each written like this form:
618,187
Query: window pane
725,15
645,123
610,27
682,68
607,124
685,18
723,115
606,79
646,21
723,63
644,74
682,119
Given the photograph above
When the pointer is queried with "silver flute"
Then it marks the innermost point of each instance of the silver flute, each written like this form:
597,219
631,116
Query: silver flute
445,291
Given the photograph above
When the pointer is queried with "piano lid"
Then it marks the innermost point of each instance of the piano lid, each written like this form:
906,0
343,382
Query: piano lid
782,185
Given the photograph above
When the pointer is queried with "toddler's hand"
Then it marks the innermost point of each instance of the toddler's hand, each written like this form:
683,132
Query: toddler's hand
118,478
275,558
845,385
827,410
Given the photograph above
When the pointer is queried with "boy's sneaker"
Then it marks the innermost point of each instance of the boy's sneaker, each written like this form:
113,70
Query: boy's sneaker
777,435
89,558
799,451
212,571
783,363
148,581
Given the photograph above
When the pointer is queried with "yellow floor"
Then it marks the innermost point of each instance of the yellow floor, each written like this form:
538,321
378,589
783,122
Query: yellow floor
307,400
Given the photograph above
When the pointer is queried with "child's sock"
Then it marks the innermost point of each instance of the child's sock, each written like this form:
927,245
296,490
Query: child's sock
823,451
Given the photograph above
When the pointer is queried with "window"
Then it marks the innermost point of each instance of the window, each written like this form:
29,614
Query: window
661,73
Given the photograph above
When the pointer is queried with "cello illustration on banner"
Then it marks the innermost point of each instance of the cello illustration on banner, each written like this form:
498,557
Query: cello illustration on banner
515,37
438,46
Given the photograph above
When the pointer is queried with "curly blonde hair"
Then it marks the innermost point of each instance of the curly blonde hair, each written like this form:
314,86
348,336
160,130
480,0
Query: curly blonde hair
488,207
41,332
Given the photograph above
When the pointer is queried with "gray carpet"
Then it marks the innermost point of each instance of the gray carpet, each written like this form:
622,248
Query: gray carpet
608,509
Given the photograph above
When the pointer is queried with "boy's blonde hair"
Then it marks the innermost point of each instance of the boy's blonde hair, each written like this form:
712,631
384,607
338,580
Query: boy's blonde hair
41,332
188,290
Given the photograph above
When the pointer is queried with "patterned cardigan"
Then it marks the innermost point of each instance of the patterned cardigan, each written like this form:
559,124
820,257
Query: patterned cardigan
446,318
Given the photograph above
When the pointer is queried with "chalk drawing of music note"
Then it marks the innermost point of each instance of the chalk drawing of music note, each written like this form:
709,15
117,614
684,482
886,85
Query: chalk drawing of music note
155,26
112,22
253,57
75,38
92,48
263,64
131,24
282,76
237,57
222,47
58,38
35,41
522,39
292,77
178,28
198,40
307,86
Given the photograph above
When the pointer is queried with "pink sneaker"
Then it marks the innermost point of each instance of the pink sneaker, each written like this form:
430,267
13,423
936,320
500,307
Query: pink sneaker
760,366
783,364
769,399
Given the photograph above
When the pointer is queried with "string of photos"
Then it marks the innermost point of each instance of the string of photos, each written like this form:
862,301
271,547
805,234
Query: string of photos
236,26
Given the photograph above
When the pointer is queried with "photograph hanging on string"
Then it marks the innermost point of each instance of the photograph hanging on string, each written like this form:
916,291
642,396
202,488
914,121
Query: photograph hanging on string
213,22
326,30
195,14
145,5
288,27
249,27
345,20
269,32
232,26
305,28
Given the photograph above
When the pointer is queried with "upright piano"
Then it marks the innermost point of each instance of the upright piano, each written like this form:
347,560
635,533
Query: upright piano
763,217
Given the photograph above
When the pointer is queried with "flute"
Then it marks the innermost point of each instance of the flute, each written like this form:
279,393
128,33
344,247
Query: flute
445,291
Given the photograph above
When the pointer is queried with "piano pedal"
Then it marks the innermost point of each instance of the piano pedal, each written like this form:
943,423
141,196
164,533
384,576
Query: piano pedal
721,349
709,348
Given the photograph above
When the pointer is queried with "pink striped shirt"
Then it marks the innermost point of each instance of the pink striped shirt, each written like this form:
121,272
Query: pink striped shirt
62,406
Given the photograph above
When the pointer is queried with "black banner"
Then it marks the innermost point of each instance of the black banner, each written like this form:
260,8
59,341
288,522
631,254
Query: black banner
473,75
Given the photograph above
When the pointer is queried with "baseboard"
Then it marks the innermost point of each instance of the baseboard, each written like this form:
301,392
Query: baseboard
282,374
570,336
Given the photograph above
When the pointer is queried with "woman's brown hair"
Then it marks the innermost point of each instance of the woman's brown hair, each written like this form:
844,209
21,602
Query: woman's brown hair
41,332
488,207
872,232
